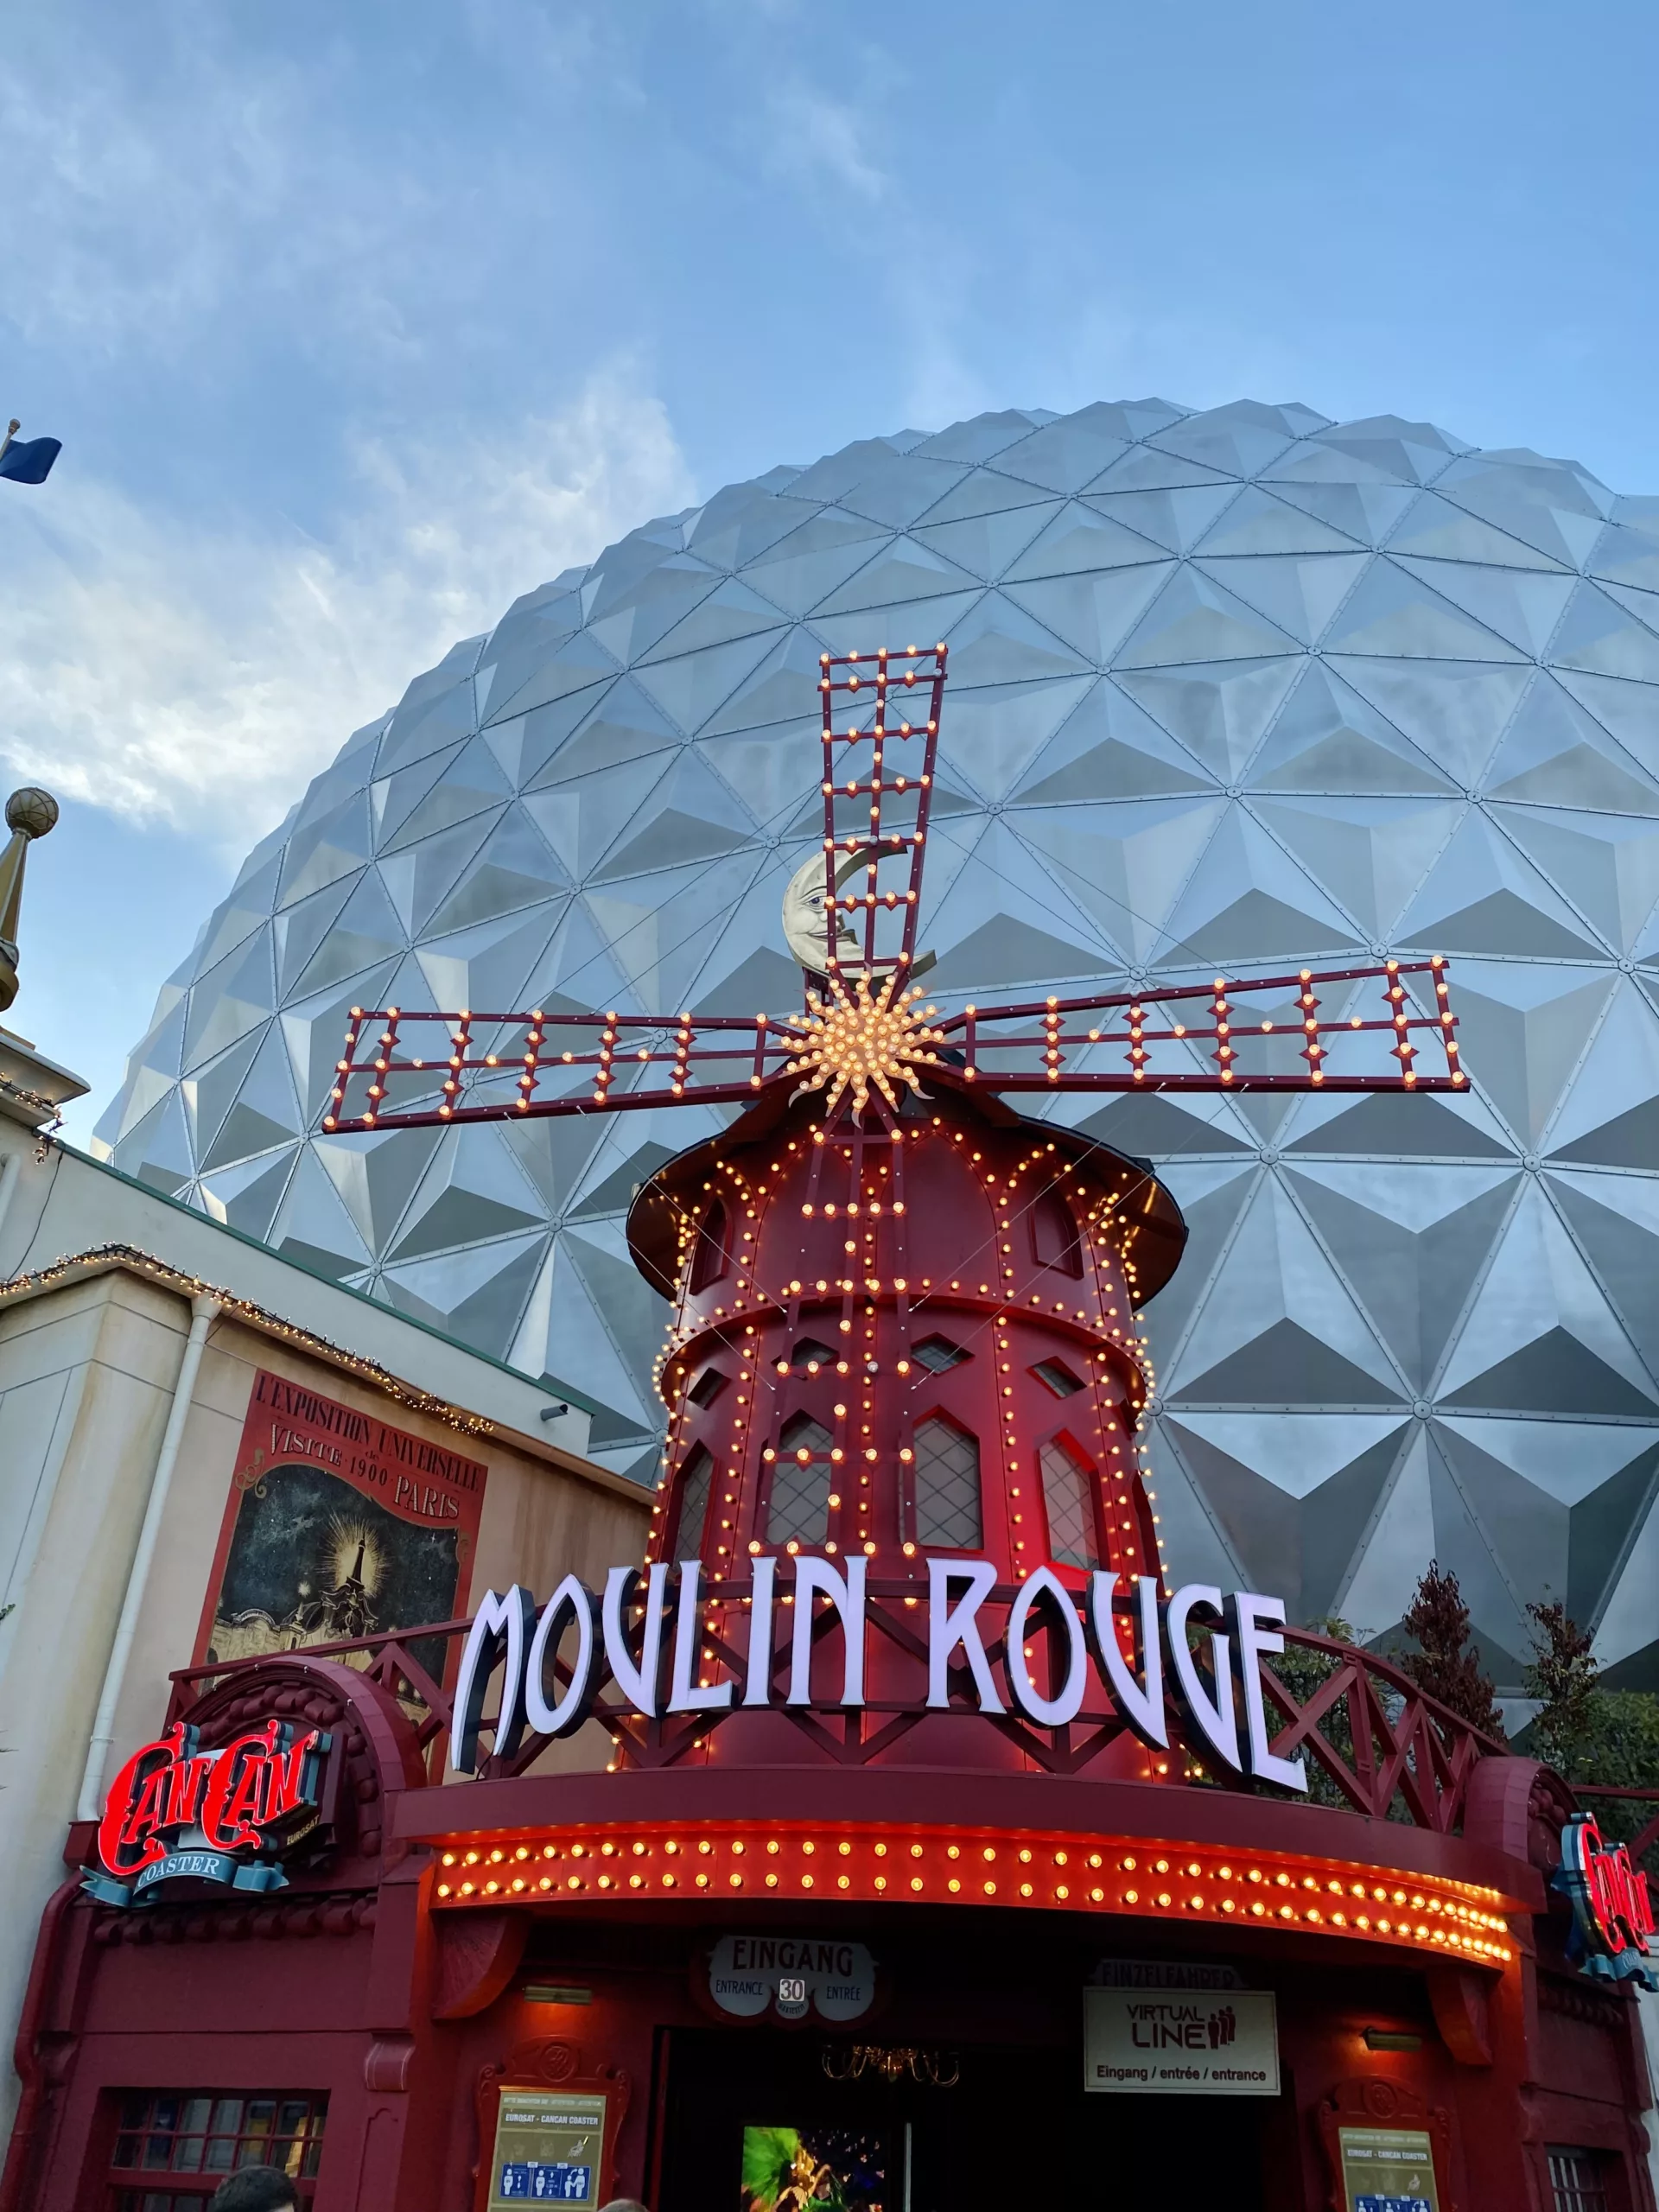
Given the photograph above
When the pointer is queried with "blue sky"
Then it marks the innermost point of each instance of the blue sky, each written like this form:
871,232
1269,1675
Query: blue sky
357,322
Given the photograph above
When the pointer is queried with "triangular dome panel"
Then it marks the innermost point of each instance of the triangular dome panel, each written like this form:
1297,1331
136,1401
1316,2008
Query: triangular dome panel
1393,614
1540,1332
1110,747
1194,618
1218,710
1329,739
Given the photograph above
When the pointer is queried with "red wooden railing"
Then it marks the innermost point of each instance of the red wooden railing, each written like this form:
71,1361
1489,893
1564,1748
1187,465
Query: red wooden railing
1596,1795
1375,1743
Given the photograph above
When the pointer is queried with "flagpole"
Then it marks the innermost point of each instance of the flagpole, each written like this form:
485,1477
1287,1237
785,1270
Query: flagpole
12,429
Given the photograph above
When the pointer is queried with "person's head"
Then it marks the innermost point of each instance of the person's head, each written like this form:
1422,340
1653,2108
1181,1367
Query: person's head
256,2189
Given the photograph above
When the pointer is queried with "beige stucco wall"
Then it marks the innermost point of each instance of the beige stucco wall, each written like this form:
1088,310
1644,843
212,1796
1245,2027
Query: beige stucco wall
71,1497
538,1522
62,1201
88,1366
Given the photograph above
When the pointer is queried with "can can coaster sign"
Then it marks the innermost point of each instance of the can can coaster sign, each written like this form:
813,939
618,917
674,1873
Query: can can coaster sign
1388,2169
1207,2043
548,2145
790,1976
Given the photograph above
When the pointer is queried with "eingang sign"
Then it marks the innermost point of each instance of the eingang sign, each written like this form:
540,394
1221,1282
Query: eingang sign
176,1813
508,1631
756,1974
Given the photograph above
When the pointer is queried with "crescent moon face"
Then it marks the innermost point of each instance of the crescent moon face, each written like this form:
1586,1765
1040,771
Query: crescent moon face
805,922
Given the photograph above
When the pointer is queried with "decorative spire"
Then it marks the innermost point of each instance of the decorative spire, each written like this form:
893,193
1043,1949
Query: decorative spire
30,813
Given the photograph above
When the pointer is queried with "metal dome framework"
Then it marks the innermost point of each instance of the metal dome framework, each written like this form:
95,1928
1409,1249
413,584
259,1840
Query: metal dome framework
1230,688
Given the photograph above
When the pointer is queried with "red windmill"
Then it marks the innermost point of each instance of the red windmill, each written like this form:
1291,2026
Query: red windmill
904,1315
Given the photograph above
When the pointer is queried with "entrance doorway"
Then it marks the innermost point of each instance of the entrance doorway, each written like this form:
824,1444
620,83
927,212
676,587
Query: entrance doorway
754,2122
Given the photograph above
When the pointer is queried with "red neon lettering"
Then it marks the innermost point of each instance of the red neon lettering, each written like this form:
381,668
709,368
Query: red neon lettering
187,1779
286,1770
233,1795
235,1805
1619,1895
146,1813
1612,1898
119,1837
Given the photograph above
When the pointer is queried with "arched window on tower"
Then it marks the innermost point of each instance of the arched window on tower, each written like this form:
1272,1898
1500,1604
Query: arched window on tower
1054,1234
946,1475
712,1254
696,1481
799,1505
1067,1494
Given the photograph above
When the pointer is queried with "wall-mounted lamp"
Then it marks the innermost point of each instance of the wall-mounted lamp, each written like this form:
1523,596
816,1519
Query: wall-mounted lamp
1390,2039
555,1992
555,1413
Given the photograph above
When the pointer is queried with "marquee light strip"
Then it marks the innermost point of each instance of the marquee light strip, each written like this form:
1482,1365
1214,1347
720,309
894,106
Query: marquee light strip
706,1862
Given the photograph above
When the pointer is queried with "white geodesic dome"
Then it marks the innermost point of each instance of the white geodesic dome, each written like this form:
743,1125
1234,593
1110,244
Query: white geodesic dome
1227,689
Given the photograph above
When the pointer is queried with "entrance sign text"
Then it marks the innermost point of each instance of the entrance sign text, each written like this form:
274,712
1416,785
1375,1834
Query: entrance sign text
1209,2043
336,1525
1613,1935
176,1812
1225,1702
789,1976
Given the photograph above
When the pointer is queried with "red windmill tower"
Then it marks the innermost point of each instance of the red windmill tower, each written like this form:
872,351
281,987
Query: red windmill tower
904,1314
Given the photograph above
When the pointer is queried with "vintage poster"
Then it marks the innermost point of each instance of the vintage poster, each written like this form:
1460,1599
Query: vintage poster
337,1526
549,2144
1387,2169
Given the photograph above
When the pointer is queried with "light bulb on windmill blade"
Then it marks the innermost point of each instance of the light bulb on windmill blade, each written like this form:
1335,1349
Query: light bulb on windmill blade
823,1091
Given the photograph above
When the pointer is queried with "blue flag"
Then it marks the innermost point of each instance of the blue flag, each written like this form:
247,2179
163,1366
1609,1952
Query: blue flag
31,461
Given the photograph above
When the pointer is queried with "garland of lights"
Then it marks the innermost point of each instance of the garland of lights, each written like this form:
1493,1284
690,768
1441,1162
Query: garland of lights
100,1258
754,1304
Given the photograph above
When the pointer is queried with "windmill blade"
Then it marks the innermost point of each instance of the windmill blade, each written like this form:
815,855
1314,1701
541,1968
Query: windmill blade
1306,1032
865,1027
404,1070
880,738
1310,1031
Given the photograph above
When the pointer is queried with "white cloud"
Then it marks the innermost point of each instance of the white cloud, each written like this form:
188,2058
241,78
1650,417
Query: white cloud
173,671
823,141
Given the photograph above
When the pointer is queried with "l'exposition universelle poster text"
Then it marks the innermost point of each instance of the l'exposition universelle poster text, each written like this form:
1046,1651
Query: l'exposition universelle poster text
337,1526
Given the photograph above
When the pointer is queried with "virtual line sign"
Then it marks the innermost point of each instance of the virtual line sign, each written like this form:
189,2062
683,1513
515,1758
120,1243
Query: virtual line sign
1221,2043
507,1632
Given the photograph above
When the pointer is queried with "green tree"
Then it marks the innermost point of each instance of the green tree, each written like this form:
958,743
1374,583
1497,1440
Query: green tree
1589,1734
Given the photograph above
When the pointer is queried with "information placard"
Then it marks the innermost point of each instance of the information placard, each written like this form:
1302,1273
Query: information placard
1387,2169
1166,2043
549,2145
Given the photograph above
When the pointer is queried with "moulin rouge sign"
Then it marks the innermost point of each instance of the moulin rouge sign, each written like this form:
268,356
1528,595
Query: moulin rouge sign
176,1813
508,1633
